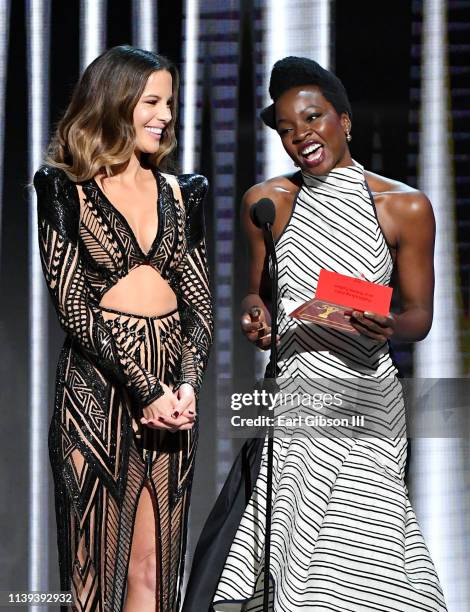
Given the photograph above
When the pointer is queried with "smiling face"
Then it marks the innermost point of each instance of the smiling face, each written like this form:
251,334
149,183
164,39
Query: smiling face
312,132
152,112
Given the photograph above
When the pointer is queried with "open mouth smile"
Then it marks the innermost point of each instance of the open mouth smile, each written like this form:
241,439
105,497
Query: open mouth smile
313,153
155,131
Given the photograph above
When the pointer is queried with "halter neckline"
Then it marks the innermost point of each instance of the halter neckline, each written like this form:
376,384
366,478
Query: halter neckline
345,176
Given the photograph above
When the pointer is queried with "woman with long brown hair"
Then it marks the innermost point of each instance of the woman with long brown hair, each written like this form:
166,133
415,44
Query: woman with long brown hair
123,252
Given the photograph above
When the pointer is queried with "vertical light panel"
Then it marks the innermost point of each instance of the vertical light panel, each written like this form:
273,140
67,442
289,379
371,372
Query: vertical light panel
277,44
4,31
144,24
438,355
191,32
38,32
220,29
320,46
211,73
437,473
292,27
92,30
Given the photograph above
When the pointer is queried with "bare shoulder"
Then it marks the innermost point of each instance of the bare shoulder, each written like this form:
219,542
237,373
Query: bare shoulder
399,199
282,190
278,189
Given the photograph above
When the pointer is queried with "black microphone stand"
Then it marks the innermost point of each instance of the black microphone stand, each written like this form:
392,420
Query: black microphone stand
271,372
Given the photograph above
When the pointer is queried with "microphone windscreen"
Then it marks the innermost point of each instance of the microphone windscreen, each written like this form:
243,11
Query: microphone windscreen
263,212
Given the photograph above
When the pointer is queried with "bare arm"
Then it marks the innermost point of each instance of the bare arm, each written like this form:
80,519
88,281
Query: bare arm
259,284
414,261
415,254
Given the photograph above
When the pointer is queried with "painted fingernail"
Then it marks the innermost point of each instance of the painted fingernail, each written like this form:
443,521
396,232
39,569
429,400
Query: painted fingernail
160,418
190,411
175,414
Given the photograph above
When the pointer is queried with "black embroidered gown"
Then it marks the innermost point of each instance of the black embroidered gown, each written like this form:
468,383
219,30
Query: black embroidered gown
110,367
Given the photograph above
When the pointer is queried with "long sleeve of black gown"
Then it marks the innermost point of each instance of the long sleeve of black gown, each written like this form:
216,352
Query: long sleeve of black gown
192,286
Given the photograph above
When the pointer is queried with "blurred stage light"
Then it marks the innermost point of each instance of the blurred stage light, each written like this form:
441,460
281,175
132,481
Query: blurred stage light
438,355
191,33
144,24
92,30
38,33
4,30
437,473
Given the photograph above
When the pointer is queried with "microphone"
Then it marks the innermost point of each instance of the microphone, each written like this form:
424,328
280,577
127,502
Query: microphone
263,213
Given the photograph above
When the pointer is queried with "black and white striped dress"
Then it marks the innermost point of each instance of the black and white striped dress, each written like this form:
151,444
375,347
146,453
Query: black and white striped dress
344,535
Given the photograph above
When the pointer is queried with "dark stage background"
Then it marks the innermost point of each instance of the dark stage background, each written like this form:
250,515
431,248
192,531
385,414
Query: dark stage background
376,51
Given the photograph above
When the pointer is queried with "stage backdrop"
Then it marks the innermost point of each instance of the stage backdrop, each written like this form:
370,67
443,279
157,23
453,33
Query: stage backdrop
406,68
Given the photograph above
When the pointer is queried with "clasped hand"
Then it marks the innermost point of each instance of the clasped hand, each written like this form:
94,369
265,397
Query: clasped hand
173,411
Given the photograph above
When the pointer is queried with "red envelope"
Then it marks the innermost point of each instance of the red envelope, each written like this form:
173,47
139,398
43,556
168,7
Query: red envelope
336,294
353,293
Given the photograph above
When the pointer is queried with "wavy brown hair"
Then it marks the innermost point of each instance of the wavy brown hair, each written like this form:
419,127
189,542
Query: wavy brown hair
96,133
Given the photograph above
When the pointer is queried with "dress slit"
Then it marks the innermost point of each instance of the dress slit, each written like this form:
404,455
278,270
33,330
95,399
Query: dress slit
171,460
111,367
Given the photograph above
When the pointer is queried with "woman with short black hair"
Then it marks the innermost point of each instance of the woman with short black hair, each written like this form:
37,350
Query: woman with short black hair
344,536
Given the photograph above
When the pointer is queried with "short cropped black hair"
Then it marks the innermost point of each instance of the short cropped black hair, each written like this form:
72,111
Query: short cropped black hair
294,71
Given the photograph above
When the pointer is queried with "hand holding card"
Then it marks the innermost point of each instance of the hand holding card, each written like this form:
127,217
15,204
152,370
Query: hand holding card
338,294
